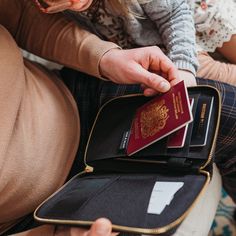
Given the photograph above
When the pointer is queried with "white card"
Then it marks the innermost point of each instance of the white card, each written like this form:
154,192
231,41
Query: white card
162,195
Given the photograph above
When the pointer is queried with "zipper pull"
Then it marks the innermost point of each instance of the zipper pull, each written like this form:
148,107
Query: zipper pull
88,169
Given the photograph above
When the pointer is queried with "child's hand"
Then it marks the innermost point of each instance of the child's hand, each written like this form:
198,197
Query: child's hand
188,78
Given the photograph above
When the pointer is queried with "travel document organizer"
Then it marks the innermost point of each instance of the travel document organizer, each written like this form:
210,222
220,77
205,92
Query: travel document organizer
142,187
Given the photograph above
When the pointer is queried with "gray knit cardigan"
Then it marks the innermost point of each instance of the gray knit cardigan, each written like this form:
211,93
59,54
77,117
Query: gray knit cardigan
165,23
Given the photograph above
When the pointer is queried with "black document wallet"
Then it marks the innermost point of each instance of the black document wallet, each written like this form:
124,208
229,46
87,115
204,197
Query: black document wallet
150,192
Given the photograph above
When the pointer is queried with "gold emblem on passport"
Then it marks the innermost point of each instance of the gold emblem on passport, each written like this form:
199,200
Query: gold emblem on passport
153,118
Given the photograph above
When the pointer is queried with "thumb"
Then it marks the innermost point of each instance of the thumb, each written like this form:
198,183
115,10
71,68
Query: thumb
101,227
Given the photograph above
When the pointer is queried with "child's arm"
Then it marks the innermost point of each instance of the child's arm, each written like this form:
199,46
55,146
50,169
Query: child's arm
175,24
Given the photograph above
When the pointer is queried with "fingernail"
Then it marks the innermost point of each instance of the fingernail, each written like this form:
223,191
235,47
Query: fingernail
164,86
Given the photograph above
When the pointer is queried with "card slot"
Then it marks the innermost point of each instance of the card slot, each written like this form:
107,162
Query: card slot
202,151
98,193
181,202
114,119
158,147
68,203
178,152
127,198
195,98
202,121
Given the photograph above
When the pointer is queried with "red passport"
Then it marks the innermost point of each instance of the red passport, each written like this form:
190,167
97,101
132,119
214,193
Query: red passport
159,117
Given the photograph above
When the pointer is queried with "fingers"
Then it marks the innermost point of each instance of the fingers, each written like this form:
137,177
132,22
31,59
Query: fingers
148,92
148,66
158,61
152,80
156,71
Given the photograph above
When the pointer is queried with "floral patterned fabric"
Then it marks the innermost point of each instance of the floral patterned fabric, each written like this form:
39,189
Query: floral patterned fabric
107,24
215,22
224,224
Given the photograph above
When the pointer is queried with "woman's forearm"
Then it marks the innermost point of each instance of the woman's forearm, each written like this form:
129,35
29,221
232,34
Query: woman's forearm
53,36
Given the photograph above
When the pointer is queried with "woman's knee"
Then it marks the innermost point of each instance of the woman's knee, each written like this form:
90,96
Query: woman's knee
11,63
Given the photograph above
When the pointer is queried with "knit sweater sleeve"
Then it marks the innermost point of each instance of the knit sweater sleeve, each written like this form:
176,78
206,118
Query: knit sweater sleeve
53,36
174,21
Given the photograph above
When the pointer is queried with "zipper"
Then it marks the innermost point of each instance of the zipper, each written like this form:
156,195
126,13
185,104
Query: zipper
211,154
88,169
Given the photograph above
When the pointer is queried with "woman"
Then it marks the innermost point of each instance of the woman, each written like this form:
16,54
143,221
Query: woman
40,127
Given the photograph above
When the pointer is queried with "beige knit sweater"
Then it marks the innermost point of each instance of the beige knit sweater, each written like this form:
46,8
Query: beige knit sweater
39,122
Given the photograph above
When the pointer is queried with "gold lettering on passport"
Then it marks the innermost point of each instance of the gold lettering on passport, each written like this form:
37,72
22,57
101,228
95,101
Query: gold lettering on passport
178,104
202,116
203,111
175,106
153,118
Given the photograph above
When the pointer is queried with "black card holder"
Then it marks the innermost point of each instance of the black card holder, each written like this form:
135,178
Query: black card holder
120,187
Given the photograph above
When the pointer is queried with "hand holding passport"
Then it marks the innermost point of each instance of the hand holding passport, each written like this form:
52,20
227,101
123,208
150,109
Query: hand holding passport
168,115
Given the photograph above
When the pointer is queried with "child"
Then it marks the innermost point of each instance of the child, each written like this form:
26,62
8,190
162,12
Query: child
215,23
138,23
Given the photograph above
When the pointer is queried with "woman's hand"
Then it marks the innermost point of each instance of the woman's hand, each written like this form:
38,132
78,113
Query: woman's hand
101,227
147,66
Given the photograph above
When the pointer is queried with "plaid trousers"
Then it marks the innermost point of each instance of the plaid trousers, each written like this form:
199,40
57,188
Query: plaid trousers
90,93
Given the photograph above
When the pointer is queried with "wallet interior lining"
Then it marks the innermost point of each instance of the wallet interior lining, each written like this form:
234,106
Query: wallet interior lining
86,198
